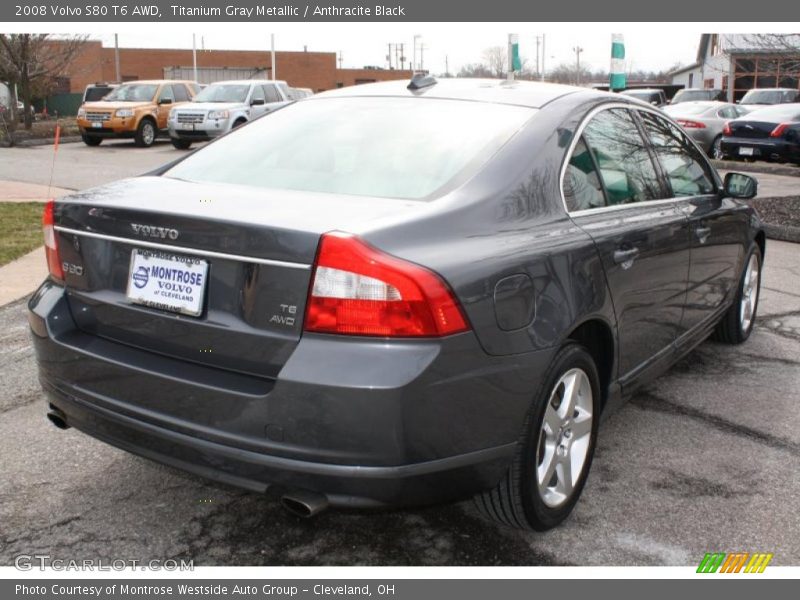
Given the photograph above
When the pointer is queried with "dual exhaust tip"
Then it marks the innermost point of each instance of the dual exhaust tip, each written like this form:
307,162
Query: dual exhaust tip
301,503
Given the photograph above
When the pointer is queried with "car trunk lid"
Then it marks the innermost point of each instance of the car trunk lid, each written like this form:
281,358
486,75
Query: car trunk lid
256,247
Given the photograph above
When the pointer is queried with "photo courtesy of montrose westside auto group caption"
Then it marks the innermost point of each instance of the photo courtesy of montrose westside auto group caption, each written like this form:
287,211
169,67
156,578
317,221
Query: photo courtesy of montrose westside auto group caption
299,299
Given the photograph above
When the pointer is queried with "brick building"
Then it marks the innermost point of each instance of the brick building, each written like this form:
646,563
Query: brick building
314,70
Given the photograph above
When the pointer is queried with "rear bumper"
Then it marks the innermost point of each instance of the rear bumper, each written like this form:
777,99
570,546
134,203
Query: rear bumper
765,149
440,424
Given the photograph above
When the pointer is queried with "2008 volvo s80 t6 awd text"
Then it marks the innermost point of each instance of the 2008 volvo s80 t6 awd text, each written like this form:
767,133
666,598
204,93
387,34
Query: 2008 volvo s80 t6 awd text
396,294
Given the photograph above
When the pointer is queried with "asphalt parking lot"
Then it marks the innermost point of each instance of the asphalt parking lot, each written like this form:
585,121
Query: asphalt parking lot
705,459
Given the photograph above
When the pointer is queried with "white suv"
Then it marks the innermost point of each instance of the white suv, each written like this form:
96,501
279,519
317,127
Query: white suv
221,106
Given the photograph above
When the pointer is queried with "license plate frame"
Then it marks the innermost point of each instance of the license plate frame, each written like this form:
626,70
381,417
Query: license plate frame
746,151
177,285
97,124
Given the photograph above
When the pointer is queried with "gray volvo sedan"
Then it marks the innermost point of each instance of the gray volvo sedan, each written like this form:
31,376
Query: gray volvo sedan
396,294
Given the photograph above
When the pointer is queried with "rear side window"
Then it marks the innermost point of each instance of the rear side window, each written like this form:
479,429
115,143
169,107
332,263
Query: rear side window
686,171
620,154
409,148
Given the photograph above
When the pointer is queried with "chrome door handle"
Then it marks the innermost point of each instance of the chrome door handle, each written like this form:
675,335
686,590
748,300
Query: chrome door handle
626,257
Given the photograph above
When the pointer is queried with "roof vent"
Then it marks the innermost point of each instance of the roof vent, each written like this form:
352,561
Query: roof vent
421,80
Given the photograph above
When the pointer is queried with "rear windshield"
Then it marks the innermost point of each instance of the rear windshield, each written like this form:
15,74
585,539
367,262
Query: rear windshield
646,96
765,97
133,92
691,96
389,147
785,112
94,94
223,93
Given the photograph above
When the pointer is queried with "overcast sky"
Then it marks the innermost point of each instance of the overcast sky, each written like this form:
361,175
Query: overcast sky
650,47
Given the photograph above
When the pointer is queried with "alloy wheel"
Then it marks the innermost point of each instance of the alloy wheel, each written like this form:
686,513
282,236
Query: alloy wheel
747,304
564,438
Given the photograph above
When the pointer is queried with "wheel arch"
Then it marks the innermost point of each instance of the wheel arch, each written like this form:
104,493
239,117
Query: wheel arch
597,336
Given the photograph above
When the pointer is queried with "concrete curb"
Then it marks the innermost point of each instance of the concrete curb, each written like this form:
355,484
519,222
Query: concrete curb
67,139
784,233
769,168
21,277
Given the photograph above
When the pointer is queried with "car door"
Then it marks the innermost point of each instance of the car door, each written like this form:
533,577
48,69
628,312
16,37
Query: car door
166,99
717,225
613,191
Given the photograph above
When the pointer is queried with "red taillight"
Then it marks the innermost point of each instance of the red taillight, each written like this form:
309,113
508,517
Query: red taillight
689,124
50,241
359,290
727,129
779,130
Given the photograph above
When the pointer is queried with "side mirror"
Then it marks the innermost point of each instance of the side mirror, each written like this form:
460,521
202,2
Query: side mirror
654,102
165,101
257,102
739,185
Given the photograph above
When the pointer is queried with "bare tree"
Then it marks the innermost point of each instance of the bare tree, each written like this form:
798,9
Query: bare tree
33,61
496,59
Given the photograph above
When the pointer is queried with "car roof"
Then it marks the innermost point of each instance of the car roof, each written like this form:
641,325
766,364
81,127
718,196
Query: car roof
649,90
708,103
772,89
246,81
498,91
158,81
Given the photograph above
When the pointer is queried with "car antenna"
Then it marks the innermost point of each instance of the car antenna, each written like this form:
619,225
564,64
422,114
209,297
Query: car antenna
420,81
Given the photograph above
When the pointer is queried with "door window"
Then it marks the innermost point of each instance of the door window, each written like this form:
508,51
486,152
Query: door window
582,186
166,94
686,171
181,95
620,155
271,93
258,94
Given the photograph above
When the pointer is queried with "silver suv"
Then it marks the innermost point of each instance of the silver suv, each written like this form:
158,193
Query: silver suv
222,106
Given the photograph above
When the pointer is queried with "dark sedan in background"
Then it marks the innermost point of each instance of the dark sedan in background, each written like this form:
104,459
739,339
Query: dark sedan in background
396,294
771,133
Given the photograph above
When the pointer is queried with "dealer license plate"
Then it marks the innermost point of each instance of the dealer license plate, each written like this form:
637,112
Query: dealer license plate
746,151
97,124
167,281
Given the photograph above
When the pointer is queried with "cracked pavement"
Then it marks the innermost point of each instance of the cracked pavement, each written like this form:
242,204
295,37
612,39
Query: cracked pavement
707,458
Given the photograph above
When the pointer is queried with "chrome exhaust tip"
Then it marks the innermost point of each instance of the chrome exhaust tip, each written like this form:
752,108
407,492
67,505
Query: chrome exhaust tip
57,418
304,504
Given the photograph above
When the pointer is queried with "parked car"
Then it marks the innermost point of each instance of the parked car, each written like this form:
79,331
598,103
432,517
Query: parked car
697,95
300,93
396,294
704,121
771,133
758,97
222,106
97,91
137,110
654,97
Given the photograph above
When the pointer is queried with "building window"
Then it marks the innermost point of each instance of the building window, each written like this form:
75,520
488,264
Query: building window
691,79
708,84
765,71
714,45
724,83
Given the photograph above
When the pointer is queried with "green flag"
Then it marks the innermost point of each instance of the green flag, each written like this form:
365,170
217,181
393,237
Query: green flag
617,71
515,62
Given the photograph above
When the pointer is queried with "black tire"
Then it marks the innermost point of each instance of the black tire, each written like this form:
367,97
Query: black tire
239,123
731,329
144,138
517,501
91,140
716,149
181,144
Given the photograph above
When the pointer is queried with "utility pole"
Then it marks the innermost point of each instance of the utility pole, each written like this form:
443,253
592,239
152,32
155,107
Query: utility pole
389,57
402,57
543,55
422,57
414,56
577,50
194,55
396,55
272,53
116,59
537,54
446,66
340,59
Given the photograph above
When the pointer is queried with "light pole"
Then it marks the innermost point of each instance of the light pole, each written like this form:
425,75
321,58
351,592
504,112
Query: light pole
577,50
414,54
